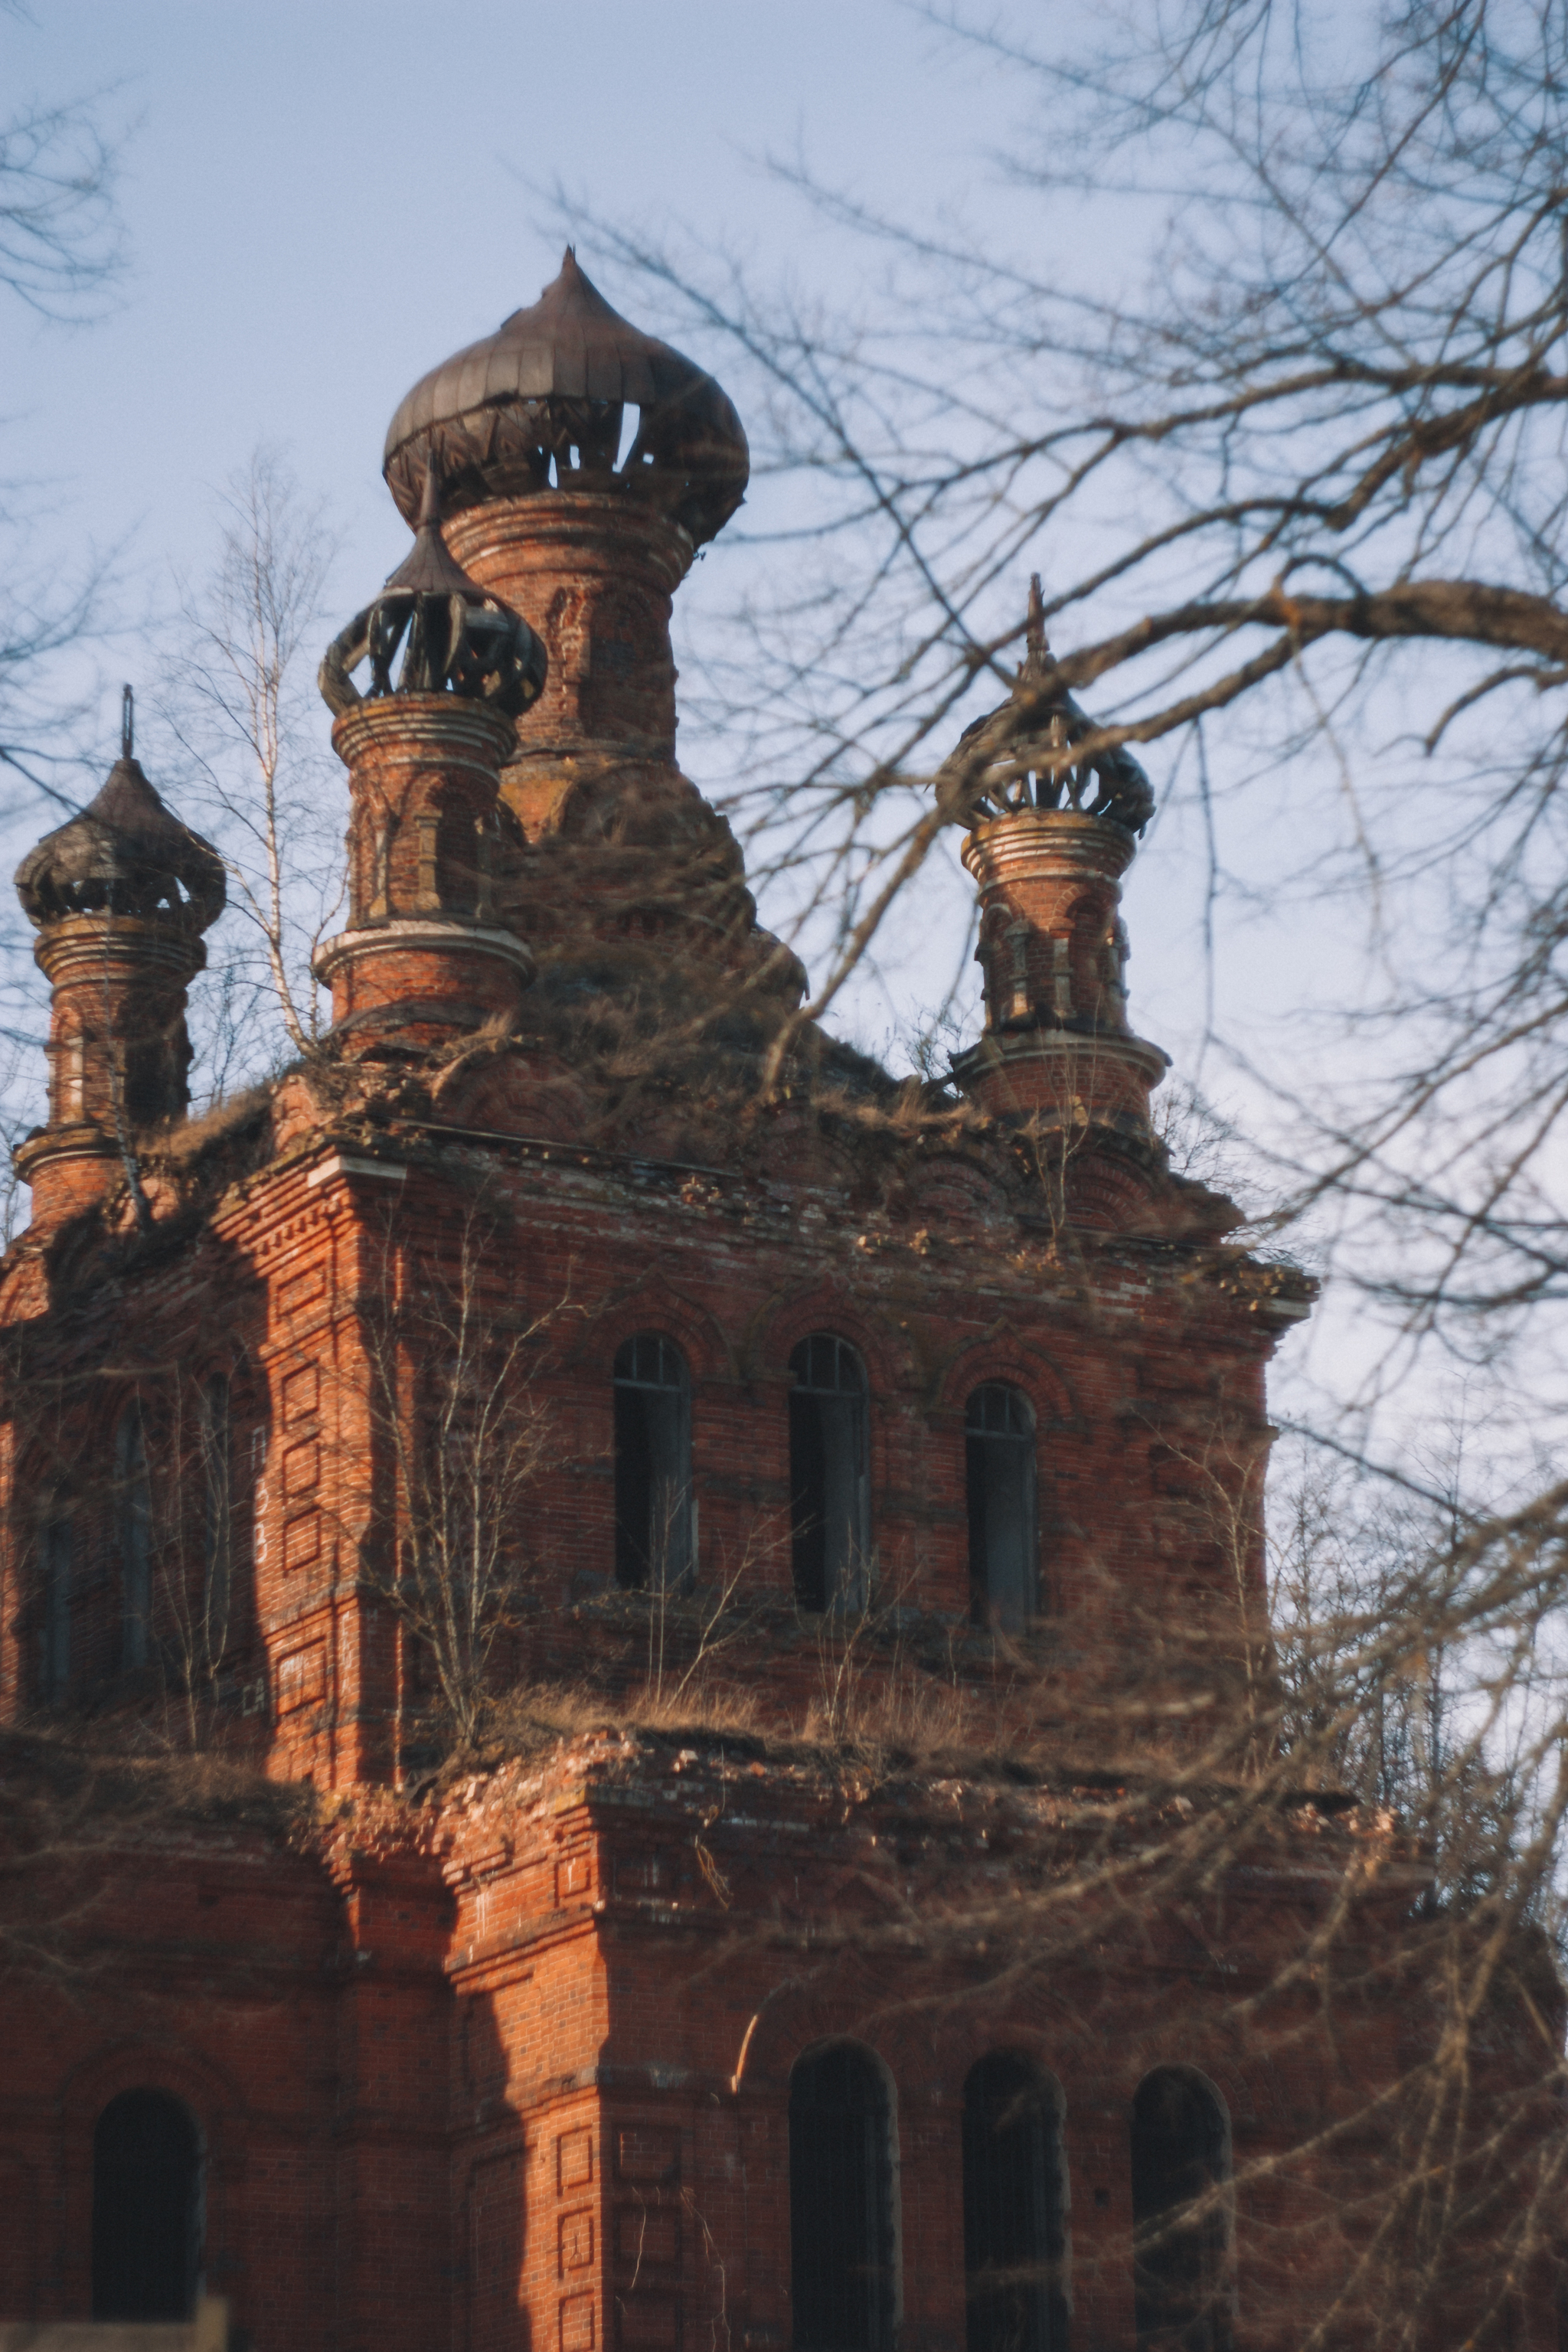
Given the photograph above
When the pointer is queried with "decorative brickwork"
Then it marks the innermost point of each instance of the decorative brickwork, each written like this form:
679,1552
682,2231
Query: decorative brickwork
504,2058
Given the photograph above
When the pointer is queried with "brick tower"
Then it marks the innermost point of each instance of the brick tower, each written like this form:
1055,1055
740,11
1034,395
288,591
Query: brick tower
120,898
1051,833
703,1565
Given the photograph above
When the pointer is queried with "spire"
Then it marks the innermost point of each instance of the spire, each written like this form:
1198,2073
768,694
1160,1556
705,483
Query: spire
454,636
1049,836
541,403
120,896
423,954
1036,651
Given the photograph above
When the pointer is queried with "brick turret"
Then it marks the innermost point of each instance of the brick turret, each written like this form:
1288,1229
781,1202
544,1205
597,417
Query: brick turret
120,898
1050,837
424,955
525,431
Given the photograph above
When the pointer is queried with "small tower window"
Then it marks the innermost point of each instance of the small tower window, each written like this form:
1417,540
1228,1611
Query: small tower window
999,1474
146,2209
829,1509
1013,2232
1181,2222
653,1464
217,1517
841,2203
133,1513
54,1624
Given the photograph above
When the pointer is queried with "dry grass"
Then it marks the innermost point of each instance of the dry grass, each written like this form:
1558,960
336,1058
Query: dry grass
60,1780
192,1135
547,1711
908,1721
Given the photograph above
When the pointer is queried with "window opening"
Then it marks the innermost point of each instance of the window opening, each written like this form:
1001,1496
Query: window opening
653,1464
830,1502
133,1494
840,2203
54,1663
1179,2222
999,1475
1013,2235
217,1515
146,2209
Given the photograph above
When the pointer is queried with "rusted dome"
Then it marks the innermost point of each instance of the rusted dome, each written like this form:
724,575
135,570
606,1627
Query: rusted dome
1020,757
453,634
124,854
542,400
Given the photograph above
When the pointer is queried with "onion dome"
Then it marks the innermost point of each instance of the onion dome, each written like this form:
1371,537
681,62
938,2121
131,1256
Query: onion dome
125,855
455,635
1019,756
544,398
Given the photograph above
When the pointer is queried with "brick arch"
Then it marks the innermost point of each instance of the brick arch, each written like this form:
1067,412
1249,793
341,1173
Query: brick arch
797,2017
144,2065
789,1316
101,1412
987,1172
655,1304
1004,1354
1030,2050
963,2039
1224,2082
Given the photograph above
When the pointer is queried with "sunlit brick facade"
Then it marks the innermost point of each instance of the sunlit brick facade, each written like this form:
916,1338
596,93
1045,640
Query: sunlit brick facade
505,2060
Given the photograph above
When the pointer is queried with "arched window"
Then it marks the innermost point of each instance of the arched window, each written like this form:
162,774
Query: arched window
146,2209
653,1464
54,1626
134,1512
999,1471
1180,2221
217,1516
841,2203
1013,2234
829,1513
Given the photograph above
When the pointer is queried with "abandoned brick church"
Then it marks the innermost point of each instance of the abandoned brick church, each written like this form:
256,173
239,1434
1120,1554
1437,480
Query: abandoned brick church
574,1321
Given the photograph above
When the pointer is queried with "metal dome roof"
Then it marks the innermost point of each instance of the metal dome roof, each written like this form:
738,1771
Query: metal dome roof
1001,766
125,854
551,383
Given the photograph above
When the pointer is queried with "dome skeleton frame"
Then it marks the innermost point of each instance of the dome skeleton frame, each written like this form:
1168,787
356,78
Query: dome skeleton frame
453,636
1019,756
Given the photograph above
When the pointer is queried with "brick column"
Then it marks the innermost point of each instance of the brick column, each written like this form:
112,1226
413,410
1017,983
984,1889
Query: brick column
423,953
117,1050
1053,948
593,574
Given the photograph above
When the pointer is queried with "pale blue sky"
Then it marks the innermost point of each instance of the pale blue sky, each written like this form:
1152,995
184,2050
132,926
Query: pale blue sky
324,197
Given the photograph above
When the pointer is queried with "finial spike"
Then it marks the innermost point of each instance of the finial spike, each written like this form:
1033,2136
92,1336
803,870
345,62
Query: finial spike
127,722
429,501
1034,635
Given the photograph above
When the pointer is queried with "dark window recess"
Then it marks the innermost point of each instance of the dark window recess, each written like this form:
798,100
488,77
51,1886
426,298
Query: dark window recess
133,1501
840,2204
654,1533
1013,2237
1180,2218
217,1516
55,1626
146,2209
829,1511
999,1471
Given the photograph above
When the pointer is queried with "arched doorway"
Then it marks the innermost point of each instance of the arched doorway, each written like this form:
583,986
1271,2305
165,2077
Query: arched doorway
1181,2218
1014,2238
146,2209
